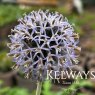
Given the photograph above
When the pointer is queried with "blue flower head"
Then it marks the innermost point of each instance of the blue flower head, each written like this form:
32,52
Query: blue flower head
43,41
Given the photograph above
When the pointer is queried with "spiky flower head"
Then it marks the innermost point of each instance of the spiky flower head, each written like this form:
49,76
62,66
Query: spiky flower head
43,41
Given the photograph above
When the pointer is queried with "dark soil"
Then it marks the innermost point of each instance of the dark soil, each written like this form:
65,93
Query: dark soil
6,30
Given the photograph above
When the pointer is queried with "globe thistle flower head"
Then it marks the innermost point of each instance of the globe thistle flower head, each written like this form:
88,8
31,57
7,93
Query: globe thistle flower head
43,41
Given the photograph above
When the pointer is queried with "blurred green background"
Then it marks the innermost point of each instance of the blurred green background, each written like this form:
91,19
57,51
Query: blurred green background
80,13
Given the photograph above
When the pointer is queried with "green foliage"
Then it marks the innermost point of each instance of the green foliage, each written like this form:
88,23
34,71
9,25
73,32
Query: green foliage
47,88
86,19
5,61
77,85
72,89
3,45
13,91
1,82
10,13
93,25
82,94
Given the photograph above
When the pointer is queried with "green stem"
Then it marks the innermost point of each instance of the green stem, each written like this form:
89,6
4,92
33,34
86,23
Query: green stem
39,86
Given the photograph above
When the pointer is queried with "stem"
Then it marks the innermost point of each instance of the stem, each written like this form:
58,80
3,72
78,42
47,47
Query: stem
39,85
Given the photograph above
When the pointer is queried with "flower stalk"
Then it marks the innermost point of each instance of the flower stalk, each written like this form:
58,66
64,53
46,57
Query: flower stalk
39,86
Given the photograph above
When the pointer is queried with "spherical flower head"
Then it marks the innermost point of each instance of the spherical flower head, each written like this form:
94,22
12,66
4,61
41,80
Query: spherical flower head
43,41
